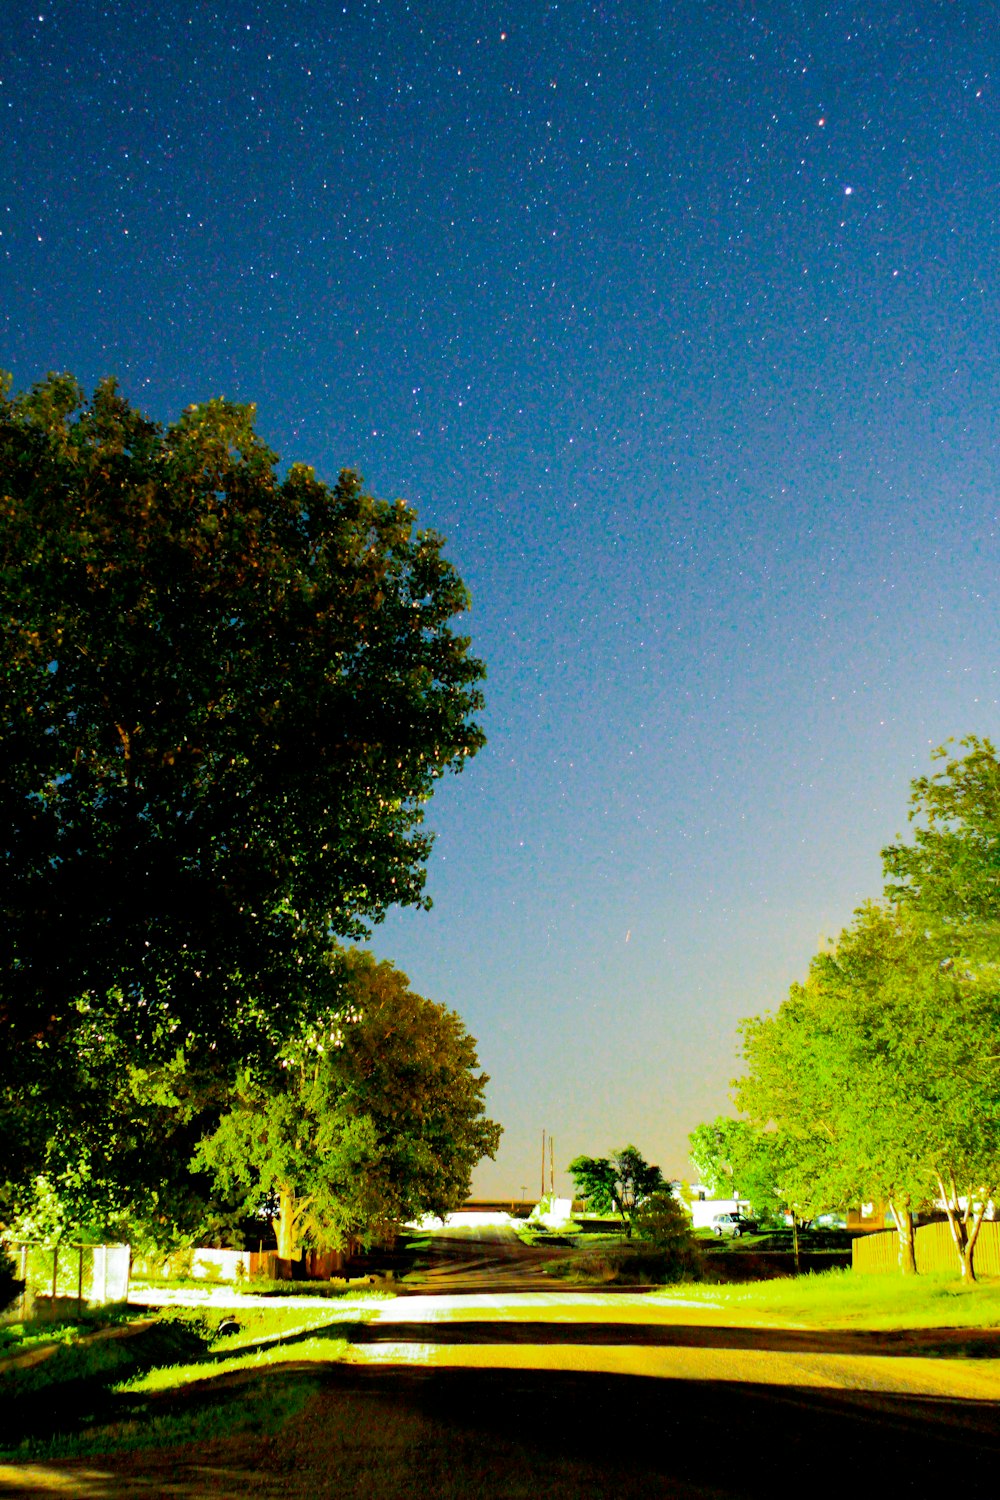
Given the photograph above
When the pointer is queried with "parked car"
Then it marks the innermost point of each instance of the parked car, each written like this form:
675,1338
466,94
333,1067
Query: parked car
731,1226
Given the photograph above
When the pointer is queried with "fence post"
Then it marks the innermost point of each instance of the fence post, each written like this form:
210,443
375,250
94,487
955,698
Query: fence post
101,1260
55,1272
79,1282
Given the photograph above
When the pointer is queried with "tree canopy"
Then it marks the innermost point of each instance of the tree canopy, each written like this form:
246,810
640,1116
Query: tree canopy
225,697
949,875
99,1147
737,1159
880,1076
367,1120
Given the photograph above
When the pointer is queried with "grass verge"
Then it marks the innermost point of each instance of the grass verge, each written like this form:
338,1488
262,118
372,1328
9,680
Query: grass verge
137,1391
348,1289
20,1338
843,1299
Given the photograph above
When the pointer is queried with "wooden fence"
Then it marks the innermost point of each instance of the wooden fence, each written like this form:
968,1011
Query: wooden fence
237,1265
877,1254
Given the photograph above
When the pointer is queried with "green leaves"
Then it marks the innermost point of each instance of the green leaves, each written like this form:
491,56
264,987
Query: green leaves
950,873
879,1072
736,1159
616,1184
370,1116
225,698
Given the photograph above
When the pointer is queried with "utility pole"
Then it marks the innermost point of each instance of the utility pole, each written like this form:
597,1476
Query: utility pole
543,1164
552,1167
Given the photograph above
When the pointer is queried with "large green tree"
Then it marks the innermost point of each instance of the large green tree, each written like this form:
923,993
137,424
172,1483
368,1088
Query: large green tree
949,874
370,1119
101,1148
881,1076
947,879
226,694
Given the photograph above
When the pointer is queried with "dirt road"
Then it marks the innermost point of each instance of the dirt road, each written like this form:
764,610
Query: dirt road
481,1253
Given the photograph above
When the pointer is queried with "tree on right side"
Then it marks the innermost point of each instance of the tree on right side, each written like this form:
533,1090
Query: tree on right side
947,881
949,875
880,1074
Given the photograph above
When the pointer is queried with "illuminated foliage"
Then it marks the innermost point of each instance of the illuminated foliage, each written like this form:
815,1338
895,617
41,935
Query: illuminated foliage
372,1118
949,876
881,1075
737,1159
663,1224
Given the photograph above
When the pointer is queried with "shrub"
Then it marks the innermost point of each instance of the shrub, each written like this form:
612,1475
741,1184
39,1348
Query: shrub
662,1224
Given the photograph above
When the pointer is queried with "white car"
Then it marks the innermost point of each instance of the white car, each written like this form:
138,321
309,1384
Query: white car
731,1226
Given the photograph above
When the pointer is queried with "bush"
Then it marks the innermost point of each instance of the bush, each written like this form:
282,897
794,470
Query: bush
662,1224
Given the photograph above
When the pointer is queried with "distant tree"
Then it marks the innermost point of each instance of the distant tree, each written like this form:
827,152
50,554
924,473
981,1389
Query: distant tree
225,697
616,1184
710,1157
374,1118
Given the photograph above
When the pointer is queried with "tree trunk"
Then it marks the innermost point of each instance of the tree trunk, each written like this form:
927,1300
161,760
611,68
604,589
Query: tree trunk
972,1235
904,1226
958,1231
285,1227
795,1243
964,1235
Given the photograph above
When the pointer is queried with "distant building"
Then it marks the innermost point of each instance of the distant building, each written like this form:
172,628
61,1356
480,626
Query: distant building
704,1208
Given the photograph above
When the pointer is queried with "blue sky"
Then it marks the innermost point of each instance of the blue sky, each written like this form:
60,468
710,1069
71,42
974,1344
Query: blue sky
681,323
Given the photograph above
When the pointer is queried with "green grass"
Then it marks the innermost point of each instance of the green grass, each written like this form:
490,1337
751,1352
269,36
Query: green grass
135,1391
19,1338
843,1299
261,1406
262,1342
538,1234
264,1287
335,1291
811,1241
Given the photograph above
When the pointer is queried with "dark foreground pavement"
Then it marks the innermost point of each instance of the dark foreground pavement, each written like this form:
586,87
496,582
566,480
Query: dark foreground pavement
395,1432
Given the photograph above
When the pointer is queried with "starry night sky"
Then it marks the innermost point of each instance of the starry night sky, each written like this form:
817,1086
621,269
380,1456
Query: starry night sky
680,320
